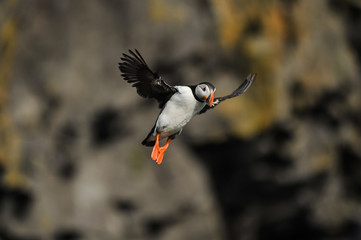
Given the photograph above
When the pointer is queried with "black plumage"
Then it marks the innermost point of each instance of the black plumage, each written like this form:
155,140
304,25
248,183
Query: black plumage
241,89
179,103
148,84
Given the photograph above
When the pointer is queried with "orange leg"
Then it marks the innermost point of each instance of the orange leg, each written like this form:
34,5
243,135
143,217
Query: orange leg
162,151
155,152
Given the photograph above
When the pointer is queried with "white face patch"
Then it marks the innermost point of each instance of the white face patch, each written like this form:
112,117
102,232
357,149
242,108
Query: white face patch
202,91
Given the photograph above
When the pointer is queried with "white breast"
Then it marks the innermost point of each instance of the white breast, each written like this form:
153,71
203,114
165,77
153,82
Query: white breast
180,108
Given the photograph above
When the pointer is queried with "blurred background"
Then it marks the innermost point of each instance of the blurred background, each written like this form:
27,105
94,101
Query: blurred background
282,161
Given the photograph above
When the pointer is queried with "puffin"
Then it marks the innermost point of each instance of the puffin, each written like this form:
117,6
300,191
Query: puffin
178,104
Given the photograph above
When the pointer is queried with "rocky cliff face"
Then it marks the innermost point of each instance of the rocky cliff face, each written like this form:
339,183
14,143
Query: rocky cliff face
280,162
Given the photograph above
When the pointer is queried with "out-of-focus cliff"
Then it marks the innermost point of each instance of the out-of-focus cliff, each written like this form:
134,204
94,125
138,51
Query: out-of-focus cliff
282,161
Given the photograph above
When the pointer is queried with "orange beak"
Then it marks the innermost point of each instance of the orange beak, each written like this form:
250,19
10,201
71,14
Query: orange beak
210,102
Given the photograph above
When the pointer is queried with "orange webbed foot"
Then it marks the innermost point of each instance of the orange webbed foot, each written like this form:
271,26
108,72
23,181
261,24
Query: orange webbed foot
161,155
158,152
155,151
162,151
160,158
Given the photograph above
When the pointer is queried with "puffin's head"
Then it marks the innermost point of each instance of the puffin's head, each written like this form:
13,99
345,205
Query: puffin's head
205,92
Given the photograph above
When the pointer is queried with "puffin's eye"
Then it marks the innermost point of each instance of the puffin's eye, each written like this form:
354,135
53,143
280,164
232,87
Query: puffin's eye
203,89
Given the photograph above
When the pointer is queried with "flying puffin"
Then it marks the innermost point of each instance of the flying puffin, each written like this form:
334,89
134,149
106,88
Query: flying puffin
178,103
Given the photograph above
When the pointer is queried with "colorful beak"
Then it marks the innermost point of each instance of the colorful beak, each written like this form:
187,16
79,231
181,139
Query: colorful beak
210,102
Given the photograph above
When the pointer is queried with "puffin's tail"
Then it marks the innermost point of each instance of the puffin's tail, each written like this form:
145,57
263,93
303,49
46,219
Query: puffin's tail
149,141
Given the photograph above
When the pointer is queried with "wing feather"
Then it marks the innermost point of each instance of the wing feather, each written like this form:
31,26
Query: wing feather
241,89
135,70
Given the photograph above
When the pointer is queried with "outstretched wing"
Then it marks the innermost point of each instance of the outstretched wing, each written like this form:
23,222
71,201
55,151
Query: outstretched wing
149,85
241,89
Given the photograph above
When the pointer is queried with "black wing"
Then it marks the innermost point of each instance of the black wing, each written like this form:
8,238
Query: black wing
149,85
241,89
